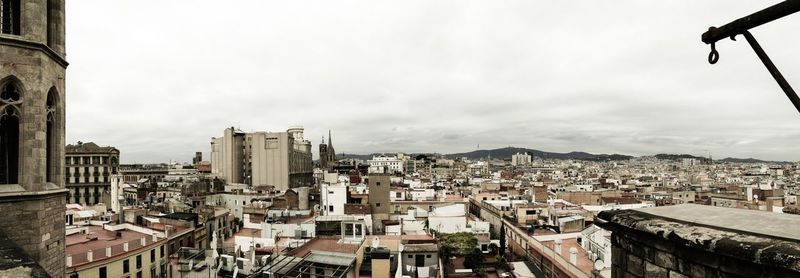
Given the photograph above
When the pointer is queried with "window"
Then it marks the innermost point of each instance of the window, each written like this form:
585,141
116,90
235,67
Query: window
139,261
152,255
330,208
377,204
73,275
377,183
428,256
126,266
51,134
102,272
10,99
139,274
153,272
410,256
10,17
162,251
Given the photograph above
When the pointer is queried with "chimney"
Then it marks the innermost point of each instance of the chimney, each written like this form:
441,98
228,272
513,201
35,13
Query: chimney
573,255
108,251
558,246
125,247
69,260
89,256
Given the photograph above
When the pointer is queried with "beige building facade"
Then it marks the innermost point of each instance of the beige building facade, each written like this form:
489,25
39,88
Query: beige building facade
88,173
278,159
378,186
32,93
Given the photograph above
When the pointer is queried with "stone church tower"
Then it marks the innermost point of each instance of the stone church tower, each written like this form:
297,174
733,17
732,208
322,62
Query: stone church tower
32,192
327,155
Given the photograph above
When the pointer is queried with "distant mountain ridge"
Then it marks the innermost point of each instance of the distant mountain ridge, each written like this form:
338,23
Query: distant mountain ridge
355,156
749,160
506,153
667,156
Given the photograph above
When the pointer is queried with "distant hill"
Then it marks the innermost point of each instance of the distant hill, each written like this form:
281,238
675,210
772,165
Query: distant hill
667,156
506,153
355,156
748,160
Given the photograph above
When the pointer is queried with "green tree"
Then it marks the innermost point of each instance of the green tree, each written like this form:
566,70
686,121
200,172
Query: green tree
473,259
460,244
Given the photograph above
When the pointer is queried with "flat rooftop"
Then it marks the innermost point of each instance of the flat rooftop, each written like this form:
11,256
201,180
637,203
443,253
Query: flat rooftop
584,263
329,244
97,240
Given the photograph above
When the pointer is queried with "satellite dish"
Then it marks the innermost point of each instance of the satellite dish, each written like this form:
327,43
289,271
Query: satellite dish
599,265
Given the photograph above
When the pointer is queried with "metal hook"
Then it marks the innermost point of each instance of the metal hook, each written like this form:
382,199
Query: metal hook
713,57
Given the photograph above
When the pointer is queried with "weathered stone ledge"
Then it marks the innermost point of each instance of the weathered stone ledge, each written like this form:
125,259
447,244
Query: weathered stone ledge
711,231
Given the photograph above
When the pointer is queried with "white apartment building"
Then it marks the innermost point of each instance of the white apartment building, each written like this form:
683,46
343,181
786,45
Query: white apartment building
520,159
385,164
332,199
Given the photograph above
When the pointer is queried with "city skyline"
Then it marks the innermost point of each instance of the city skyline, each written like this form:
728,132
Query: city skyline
428,78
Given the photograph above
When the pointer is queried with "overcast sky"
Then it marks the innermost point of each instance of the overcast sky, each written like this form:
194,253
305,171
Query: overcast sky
158,79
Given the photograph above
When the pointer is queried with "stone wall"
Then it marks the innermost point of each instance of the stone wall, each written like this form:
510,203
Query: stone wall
647,245
32,210
37,226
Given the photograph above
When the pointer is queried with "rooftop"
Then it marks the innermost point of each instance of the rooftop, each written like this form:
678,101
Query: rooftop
89,147
330,244
585,264
98,239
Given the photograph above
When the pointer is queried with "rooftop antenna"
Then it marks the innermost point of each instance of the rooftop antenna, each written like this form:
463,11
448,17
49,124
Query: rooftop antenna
742,26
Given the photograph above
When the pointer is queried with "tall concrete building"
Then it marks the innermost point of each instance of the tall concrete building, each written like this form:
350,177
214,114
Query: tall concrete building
88,173
278,159
327,155
521,159
32,193
378,186
198,157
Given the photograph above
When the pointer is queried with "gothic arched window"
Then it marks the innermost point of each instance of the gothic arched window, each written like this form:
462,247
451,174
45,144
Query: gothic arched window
10,100
10,16
52,135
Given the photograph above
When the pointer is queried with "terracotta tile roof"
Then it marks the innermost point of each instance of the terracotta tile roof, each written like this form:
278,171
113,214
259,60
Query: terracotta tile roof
357,209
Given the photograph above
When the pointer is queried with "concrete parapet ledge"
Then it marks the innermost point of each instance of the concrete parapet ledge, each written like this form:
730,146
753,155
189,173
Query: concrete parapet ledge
770,240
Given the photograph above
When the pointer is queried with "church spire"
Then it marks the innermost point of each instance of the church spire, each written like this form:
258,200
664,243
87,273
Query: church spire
330,144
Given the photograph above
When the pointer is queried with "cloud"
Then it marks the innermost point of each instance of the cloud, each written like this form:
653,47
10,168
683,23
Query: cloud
624,77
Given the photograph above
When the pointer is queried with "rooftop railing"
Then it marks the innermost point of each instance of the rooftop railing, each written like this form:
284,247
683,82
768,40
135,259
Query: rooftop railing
78,259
